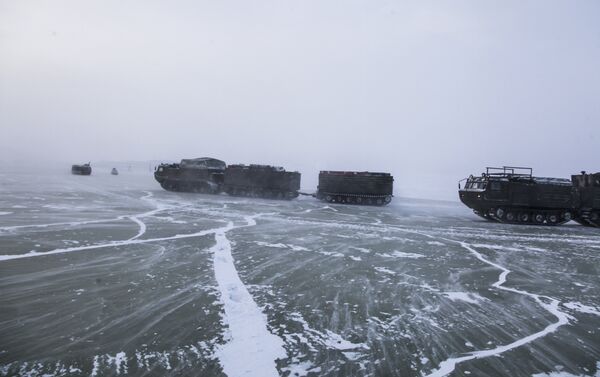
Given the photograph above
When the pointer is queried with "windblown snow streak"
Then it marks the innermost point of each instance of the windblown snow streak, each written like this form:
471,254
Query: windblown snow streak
251,350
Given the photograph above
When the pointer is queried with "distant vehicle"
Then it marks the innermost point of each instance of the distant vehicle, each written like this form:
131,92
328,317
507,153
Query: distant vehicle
588,193
114,171
353,187
261,181
204,175
84,169
513,195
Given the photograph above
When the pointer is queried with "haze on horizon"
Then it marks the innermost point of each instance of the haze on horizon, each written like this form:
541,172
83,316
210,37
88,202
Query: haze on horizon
420,89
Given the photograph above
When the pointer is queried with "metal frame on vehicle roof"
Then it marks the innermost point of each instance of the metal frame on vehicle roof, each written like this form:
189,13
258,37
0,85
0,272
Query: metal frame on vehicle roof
509,171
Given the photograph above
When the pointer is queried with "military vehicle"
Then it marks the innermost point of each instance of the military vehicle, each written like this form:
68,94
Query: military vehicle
513,195
84,169
204,175
261,181
353,187
114,171
588,195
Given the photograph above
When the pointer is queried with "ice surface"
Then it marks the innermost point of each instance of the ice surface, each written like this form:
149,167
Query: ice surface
114,276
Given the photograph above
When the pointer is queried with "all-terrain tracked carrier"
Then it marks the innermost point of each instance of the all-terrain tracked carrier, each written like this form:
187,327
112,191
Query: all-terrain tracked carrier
204,175
588,196
513,195
261,181
353,187
211,176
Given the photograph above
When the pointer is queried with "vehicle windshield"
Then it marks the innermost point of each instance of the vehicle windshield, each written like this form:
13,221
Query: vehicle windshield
476,183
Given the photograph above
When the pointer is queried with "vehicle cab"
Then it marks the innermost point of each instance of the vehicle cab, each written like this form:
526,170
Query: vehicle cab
493,186
588,190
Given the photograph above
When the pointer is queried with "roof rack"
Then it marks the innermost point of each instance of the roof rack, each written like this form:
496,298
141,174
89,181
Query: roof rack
509,171
352,173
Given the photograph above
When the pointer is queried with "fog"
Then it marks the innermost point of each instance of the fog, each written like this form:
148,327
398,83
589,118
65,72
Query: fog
429,91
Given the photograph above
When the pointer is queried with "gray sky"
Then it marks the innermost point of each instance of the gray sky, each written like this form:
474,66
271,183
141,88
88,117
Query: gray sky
418,89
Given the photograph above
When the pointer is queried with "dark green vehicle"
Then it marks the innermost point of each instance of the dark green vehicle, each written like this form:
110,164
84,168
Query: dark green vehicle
513,195
588,193
212,176
85,169
203,175
261,181
352,187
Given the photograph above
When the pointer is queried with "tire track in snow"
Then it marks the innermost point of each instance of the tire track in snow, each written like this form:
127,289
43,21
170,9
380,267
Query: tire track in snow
447,366
251,349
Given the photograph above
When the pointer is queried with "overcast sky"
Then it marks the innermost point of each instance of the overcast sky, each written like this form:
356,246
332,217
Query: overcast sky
414,88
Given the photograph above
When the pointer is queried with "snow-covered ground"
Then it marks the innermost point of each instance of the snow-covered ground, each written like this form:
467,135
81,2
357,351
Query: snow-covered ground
111,275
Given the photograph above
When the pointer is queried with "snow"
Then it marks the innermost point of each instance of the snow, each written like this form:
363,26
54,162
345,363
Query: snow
471,298
251,350
301,369
577,306
361,249
328,338
385,270
561,373
435,243
282,246
402,254
335,341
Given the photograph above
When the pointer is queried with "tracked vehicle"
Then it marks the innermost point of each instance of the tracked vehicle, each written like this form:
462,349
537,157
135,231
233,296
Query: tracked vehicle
588,195
261,181
84,169
514,195
353,187
203,175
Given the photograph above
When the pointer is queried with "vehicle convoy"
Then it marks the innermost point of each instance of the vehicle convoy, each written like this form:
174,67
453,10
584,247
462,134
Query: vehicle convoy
353,187
212,176
513,195
84,169
588,189
209,175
